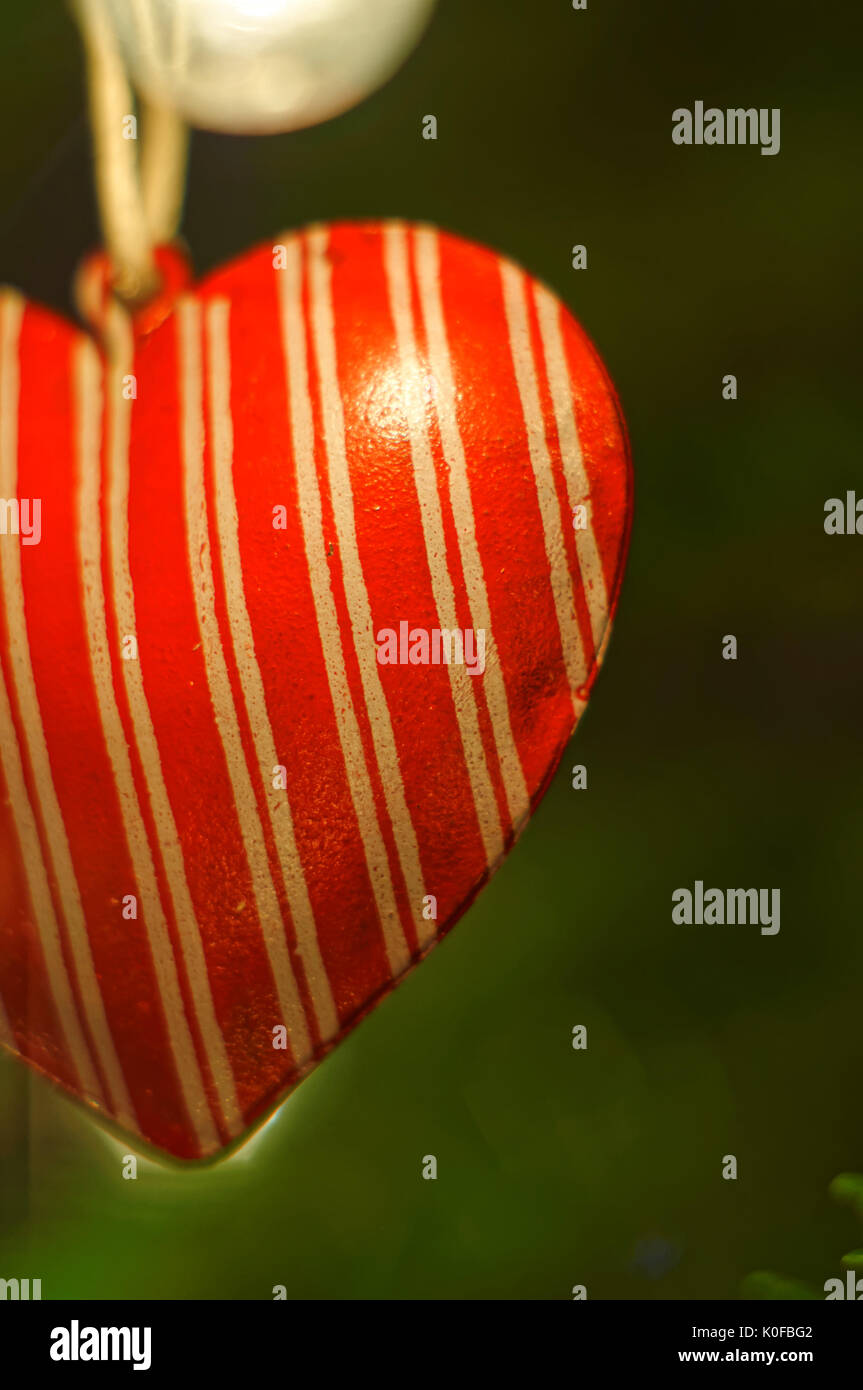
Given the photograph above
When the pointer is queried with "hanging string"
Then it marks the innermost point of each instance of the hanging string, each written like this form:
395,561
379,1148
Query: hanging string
164,158
140,202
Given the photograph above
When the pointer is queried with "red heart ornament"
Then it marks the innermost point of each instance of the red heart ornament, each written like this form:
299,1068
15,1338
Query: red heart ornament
326,567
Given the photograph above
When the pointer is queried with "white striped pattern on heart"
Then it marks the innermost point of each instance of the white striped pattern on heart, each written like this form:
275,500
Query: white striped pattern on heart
429,417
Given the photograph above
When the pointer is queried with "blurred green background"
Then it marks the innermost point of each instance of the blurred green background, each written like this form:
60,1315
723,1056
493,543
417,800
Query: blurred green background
559,1167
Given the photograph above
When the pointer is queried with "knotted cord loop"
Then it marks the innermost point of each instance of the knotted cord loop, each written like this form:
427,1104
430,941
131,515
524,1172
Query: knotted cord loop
140,201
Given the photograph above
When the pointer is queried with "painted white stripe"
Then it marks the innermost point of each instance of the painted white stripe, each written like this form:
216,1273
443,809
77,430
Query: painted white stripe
290,287
74,1044
356,594
414,383
201,573
577,482
119,337
88,292
440,361
88,395
515,304
23,681
243,643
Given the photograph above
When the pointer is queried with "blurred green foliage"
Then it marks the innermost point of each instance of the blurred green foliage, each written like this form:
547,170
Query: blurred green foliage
559,1167
764,1284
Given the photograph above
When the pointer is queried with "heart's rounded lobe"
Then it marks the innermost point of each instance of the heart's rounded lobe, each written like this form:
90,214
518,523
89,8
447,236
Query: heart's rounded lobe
325,567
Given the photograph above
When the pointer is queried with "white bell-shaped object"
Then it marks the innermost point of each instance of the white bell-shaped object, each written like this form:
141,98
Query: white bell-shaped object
259,66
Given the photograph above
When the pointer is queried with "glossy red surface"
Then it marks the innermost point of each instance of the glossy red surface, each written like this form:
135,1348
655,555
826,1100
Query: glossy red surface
427,417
